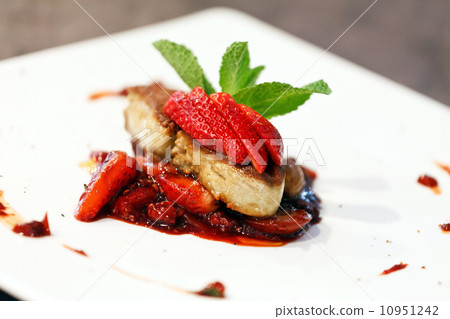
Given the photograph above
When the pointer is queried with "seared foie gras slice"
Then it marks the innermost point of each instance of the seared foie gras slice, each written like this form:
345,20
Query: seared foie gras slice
242,188
151,129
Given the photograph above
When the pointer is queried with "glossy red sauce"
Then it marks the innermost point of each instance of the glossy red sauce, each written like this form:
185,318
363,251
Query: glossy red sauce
445,228
102,94
242,229
430,182
80,252
33,228
3,210
215,289
394,268
132,205
427,180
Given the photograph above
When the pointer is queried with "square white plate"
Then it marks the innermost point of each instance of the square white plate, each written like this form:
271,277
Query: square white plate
375,136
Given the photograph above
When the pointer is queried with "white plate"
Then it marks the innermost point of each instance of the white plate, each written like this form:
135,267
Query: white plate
375,136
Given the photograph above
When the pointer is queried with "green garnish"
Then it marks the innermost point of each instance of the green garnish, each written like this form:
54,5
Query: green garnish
238,79
235,72
185,63
274,98
211,292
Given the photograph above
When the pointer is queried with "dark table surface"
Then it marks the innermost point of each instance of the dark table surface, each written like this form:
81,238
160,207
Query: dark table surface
5,297
405,40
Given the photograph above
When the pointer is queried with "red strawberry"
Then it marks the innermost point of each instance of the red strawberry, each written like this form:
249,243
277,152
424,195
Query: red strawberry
163,212
181,109
197,115
281,223
153,168
243,129
132,200
187,192
98,156
117,171
232,146
266,131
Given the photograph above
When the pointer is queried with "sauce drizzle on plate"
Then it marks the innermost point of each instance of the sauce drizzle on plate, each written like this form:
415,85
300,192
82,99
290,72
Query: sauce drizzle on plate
394,268
102,94
78,251
33,228
445,228
431,182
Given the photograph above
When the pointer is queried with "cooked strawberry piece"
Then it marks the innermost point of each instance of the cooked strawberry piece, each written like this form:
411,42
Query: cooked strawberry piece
131,202
182,111
222,221
98,156
243,129
152,168
266,131
281,223
163,212
187,192
232,146
116,172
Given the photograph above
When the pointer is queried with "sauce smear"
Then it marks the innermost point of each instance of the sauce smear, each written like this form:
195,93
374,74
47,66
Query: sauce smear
394,268
431,182
445,228
80,252
33,228
215,289
444,167
8,216
102,94
3,210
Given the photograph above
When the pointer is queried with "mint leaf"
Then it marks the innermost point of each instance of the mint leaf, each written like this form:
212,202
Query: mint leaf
235,72
253,75
185,64
318,87
274,98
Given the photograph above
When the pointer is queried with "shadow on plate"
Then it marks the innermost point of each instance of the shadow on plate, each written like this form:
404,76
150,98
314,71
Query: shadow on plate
364,213
369,184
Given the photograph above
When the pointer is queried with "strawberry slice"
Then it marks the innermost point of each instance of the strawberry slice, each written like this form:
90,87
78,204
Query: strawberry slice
117,171
234,148
180,109
187,192
163,212
197,115
266,131
242,127
281,223
131,201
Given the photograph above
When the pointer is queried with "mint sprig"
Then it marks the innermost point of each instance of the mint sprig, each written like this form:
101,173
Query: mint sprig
274,98
235,72
185,64
238,79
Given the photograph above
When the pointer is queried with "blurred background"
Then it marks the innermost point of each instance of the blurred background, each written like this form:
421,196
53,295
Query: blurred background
405,40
